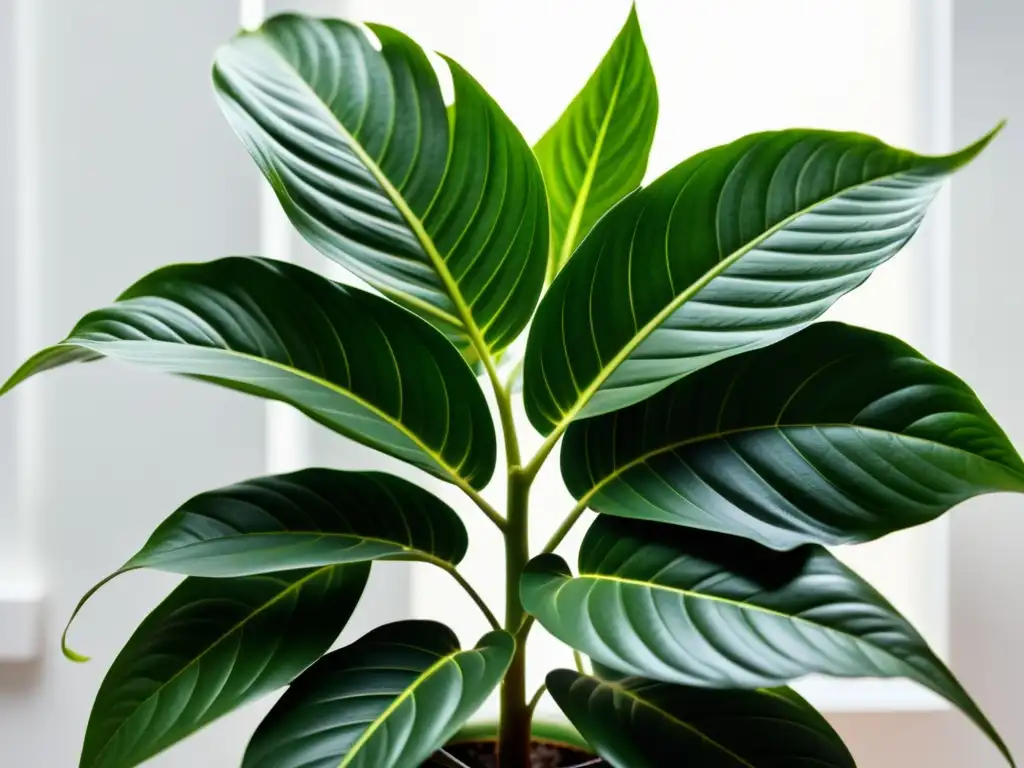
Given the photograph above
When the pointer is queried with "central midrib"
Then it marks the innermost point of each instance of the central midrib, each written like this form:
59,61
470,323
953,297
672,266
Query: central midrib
412,220
718,435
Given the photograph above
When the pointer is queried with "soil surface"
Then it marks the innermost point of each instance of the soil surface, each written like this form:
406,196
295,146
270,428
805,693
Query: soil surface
481,755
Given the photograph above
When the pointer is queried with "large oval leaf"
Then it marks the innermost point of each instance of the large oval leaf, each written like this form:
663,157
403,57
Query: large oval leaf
352,361
210,647
389,700
709,610
731,250
306,519
450,220
835,435
641,723
597,150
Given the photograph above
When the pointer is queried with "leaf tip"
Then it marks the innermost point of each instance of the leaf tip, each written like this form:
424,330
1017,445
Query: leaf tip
967,154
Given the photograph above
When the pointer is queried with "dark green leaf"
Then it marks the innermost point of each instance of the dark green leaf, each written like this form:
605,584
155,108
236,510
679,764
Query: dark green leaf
210,647
450,220
306,519
352,361
389,700
705,609
597,150
835,435
640,723
732,250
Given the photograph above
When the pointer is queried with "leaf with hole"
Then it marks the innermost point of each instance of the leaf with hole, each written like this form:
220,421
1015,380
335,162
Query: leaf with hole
305,519
352,361
389,700
836,435
444,213
641,723
708,610
732,250
210,647
597,150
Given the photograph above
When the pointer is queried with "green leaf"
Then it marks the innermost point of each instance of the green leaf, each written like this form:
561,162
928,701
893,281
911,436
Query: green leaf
449,220
352,361
835,435
306,519
597,150
210,647
709,610
389,700
640,723
732,250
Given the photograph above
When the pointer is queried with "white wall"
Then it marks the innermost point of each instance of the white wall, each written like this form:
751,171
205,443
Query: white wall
122,164
987,319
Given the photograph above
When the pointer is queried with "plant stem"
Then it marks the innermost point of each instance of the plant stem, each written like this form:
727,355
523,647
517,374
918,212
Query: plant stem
514,736
508,424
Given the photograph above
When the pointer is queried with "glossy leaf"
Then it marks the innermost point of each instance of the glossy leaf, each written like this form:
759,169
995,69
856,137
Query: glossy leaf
310,518
352,361
732,250
709,610
389,700
835,435
449,220
641,723
597,150
210,647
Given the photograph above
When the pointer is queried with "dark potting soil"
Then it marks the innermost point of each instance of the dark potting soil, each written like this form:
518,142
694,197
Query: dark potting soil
481,755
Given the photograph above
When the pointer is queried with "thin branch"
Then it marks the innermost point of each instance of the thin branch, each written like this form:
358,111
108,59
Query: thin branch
513,376
535,700
460,580
492,514
447,760
578,658
566,526
533,465
475,596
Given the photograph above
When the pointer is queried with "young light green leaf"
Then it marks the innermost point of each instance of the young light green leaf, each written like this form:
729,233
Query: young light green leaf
210,647
732,250
705,609
389,700
449,220
835,435
305,519
641,723
597,150
352,361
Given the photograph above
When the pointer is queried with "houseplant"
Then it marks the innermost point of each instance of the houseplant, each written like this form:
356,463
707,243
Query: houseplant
723,441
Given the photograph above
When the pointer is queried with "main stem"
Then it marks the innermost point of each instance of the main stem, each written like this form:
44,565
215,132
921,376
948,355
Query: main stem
514,737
